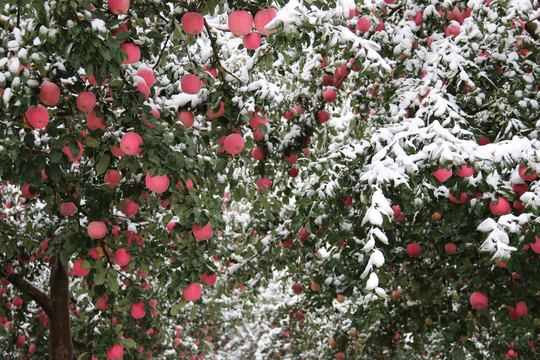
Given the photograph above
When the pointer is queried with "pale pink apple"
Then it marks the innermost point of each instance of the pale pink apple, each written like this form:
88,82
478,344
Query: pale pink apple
148,76
217,114
94,122
363,24
240,23
49,93
522,169
192,292
158,184
37,116
67,208
465,171
191,84
329,95
187,118
478,300
233,144
203,233
264,183
78,269
209,279
413,250
442,174
112,178
86,101
116,352
193,23
137,310
97,229
501,208
66,150
323,116
252,40
143,88
129,207
26,193
262,18
131,143
118,7
133,53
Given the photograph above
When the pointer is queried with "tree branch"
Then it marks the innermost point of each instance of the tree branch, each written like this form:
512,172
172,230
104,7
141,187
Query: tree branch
33,292
64,185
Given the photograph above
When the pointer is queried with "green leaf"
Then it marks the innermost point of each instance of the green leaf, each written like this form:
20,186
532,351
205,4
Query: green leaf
177,307
458,354
100,276
91,142
103,164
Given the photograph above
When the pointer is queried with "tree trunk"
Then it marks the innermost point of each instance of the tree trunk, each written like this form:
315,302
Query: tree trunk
60,344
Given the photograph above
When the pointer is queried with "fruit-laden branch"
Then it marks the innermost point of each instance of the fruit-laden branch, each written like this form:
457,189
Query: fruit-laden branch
216,55
71,197
33,292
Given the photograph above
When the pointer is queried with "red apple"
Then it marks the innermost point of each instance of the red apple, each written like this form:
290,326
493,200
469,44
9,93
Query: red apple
303,234
131,143
233,144
137,310
192,292
67,208
293,172
78,269
112,178
501,208
147,75
94,122
262,18
450,248
49,93
119,7
297,288
251,41
258,154
413,250
330,95
522,169
37,116
191,84
193,23
187,118
97,229
323,116
203,233
442,174
116,352
129,207
158,184
133,53
478,300
209,279
465,171
264,183
240,23
363,24
86,101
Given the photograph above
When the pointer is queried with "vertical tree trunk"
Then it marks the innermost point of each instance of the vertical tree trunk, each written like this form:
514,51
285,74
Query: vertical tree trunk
60,344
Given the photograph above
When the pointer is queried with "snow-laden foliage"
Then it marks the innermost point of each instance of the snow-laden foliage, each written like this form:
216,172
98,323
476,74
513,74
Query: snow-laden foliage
391,204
